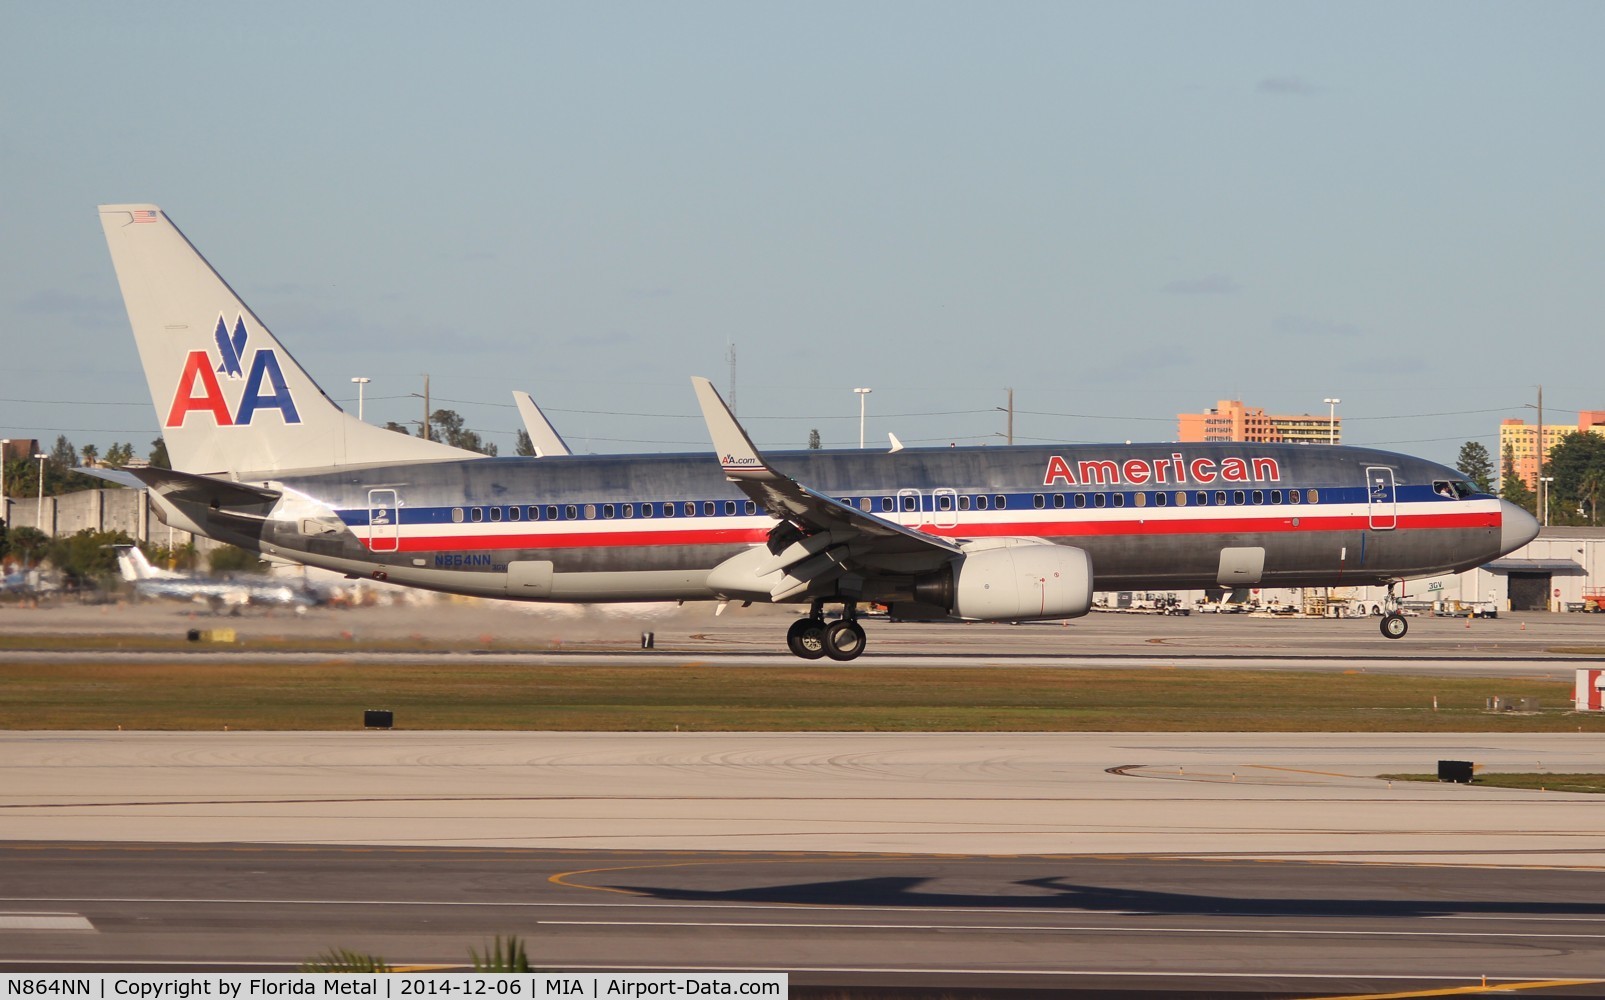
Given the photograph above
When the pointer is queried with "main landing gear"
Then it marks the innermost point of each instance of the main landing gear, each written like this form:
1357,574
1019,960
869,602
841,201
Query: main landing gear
1394,625
813,637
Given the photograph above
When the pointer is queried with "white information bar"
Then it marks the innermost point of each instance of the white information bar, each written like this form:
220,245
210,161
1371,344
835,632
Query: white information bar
391,985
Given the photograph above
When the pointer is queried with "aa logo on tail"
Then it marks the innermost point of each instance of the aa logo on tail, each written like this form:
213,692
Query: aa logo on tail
199,391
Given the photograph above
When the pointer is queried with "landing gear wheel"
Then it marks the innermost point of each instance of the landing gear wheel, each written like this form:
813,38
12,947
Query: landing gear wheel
806,638
1394,626
844,640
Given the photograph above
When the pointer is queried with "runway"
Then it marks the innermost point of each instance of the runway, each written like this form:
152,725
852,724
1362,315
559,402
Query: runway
1085,864
1071,924
1541,645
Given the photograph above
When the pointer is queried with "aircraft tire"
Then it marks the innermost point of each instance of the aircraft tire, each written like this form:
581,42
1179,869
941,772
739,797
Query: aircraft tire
844,640
806,638
1394,626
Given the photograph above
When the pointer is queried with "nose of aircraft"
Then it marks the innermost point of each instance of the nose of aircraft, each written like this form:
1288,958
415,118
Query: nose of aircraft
1516,527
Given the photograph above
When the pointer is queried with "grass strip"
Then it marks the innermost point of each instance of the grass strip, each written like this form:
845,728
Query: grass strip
693,696
1538,781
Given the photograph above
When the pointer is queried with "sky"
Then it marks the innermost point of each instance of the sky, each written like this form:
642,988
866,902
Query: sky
1122,211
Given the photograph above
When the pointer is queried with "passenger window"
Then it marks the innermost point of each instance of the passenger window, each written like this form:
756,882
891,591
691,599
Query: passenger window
1119,499
752,508
1099,500
1081,501
551,513
495,513
944,502
1259,496
980,502
910,503
1161,499
628,510
690,509
515,513
1314,496
1000,501
647,510
1039,501
1220,498
1181,498
1239,497
590,512
1202,498
1292,496
730,508
1058,501
964,502
1276,496
457,514
668,509
865,505
477,514
707,508
571,512
1140,500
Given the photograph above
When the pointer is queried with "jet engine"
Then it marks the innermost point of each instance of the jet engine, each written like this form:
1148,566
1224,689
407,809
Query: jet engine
1016,582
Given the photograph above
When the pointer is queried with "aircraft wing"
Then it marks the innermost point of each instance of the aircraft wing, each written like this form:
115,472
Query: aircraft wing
788,500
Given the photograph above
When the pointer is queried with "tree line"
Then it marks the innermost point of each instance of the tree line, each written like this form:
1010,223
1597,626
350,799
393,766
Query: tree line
1576,463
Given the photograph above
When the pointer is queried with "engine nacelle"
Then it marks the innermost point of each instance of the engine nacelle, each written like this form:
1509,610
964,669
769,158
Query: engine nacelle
1013,583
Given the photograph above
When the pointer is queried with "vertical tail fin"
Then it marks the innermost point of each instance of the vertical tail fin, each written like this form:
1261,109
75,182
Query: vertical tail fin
230,399
134,566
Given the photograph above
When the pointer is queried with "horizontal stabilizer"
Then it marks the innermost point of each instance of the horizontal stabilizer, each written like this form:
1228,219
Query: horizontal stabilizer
184,487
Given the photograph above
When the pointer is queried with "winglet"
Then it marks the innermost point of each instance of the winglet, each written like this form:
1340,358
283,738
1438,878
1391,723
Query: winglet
738,456
540,430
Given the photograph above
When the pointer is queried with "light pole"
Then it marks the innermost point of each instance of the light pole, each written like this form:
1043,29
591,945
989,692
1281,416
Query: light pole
5,504
360,381
1543,495
1331,419
862,395
39,511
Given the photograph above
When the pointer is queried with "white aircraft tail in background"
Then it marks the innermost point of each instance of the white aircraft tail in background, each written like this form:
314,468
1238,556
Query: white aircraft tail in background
540,430
134,566
149,581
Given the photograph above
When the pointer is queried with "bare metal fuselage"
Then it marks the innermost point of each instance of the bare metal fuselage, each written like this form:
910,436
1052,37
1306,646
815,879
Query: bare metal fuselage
652,527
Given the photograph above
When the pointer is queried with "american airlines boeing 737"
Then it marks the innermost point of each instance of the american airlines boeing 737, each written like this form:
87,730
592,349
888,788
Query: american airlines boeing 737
264,460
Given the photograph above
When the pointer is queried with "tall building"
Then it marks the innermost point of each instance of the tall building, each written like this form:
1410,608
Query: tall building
1230,420
1520,439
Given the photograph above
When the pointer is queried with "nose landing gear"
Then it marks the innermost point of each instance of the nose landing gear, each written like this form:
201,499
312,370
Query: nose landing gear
812,638
1394,625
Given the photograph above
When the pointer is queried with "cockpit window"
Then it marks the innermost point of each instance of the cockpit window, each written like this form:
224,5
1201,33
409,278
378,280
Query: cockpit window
1453,489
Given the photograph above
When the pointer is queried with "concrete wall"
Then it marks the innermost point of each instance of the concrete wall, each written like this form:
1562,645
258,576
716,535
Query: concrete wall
97,510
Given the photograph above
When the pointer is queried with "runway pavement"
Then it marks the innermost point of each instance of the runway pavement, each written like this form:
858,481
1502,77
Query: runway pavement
1077,926
1529,643
1084,864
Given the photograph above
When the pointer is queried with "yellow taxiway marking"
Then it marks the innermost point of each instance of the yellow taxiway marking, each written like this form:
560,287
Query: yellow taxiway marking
1541,984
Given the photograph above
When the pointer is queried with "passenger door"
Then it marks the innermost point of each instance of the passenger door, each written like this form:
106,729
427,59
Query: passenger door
384,521
1382,507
